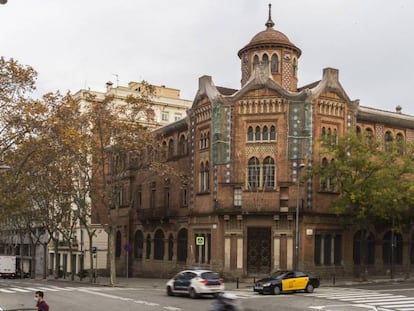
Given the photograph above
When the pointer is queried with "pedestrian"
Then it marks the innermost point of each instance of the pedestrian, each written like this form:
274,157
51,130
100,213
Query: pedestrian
41,304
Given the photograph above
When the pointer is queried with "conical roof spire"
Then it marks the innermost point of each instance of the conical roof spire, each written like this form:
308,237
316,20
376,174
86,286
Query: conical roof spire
269,24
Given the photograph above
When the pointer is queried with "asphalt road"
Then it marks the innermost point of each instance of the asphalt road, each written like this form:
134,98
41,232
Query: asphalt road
67,296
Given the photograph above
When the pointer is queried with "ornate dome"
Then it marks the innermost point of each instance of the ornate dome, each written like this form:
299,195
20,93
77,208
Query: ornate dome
269,38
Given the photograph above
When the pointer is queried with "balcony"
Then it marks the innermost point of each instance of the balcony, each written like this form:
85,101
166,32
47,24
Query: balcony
145,214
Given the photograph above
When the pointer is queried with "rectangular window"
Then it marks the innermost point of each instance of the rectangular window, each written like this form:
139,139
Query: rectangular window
237,197
184,197
177,116
338,250
166,197
317,252
165,116
138,203
153,195
327,250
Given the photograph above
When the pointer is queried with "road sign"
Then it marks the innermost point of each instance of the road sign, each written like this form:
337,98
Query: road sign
127,247
200,240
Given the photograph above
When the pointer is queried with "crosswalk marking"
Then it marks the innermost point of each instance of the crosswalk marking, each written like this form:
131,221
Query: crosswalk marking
381,301
6,291
52,288
21,290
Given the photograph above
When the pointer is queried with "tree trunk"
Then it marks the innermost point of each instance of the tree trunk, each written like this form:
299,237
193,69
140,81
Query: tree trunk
111,254
45,255
57,262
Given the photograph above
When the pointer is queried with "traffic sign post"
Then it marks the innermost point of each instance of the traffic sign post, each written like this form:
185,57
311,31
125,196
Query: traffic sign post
200,243
127,248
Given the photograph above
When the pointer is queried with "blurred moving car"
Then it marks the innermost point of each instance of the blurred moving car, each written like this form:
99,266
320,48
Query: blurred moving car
286,281
195,282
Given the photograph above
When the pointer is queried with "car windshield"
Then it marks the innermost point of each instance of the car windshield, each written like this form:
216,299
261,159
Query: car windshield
278,274
210,275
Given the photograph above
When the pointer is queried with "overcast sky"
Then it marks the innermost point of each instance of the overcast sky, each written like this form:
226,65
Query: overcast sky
85,43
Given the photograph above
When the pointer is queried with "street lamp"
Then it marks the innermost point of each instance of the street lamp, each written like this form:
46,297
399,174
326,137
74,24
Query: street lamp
297,217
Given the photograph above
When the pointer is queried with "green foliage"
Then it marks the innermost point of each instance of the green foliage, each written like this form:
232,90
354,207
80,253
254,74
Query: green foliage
375,181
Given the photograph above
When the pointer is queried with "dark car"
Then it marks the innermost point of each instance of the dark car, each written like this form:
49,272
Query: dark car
287,281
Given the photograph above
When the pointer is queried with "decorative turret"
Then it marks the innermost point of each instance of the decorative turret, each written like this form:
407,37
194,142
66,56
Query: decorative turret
271,48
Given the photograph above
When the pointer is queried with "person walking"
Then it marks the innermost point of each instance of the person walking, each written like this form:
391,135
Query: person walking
41,304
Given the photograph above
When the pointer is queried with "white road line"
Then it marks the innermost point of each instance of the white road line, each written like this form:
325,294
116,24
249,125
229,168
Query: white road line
6,291
141,302
21,290
48,289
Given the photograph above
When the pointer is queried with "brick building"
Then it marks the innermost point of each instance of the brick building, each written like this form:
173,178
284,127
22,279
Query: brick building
241,153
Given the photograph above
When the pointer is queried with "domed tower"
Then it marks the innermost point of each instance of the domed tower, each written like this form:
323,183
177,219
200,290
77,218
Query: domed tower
270,49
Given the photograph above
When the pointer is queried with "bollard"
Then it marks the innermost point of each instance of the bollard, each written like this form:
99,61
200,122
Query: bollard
237,282
333,280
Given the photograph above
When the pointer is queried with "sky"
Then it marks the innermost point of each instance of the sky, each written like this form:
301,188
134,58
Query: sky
81,44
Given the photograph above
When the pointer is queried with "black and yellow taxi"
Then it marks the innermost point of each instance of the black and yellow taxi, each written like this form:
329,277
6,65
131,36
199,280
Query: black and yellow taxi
287,281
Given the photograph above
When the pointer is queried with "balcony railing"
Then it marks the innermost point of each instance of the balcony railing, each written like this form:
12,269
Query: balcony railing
155,213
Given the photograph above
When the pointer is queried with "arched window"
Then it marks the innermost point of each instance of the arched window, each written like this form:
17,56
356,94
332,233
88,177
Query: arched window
255,61
364,248
334,136
265,60
138,244
182,241
387,141
272,133
164,150
295,67
324,181
170,247
159,245
207,176
265,133
170,148
369,134
183,145
269,173
257,134
400,143
392,248
323,132
274,66
201,178
253,169
148,249
250,134
118,244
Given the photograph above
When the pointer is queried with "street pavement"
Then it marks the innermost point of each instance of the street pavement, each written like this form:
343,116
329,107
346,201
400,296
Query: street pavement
139,282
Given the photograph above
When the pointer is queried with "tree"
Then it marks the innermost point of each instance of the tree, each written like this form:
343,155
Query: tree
375,182
113,128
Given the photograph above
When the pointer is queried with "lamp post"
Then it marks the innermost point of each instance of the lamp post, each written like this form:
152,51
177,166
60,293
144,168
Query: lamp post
300,167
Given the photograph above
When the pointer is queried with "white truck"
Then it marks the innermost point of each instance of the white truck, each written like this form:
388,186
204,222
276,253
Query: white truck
7,266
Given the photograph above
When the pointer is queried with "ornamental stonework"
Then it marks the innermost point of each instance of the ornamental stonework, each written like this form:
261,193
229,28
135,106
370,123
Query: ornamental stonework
261,150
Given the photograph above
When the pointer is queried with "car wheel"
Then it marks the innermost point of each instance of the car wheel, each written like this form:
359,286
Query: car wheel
169,291
193,293
276,290
309,288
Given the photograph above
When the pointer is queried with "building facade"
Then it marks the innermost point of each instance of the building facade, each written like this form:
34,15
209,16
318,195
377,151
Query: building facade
237,205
